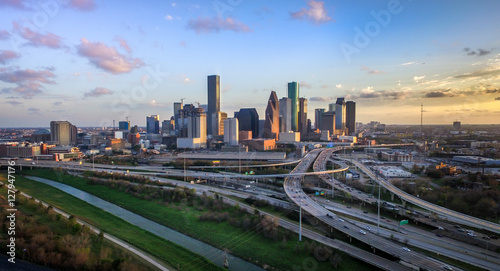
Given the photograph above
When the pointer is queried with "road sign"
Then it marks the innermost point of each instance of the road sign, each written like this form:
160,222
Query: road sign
403,222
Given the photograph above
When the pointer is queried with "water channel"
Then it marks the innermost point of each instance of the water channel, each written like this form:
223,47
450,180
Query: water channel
211,253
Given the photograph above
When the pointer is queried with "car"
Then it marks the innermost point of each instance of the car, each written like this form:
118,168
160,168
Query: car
345,226
365,212
341,220
406,249
439,235
494,237
486,238
471,234
327,200
368,228
447,267
440,228
349,207
362,232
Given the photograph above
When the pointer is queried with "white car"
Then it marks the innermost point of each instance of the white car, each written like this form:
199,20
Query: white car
341,220
406,249
447,267
362,232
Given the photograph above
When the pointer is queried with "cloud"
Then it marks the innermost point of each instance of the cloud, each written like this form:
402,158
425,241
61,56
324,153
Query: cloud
4,34
418,79
82,5
409,63
371,93
37,39
28,81
6,55
370,71
216,24
491,71
33,111
169,17
478,52
183,44
124,44
19,4
303,84
57,103
338,86
321,99
14,103
315,13
471,91
107,58
445,93
96,92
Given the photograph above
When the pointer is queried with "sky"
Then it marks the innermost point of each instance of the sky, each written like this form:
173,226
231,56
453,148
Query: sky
92,62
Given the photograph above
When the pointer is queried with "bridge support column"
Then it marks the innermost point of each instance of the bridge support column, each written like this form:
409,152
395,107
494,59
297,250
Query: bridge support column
392,196
373,250
404,203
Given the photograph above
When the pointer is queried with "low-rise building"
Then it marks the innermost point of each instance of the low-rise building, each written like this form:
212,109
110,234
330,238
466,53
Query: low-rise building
392,172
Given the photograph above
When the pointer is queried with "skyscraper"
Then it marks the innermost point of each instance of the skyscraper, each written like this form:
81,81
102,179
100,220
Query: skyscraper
272,120
248,120
331,107
340,115
124,125
318,114
218,123
153,124
231,131
328,122
303,117
213,85
177,108
194,134
63,133
350,117
293,93
286,114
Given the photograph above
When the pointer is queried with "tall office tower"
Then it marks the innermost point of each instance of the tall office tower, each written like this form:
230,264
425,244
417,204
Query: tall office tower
124,125
457,125
293,93
218,123
303,117
168,126
331,107
231,131
63,133
248,120
272,121
194,134
177,108
340,115
350,117
318,115
328,122
286,114
213,83
153,124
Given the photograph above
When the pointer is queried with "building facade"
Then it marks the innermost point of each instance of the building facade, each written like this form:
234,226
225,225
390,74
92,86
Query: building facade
272,120
153,124
286,114
248,120
213,86
340,115
231,131
63,133
302,114
293,94
350,118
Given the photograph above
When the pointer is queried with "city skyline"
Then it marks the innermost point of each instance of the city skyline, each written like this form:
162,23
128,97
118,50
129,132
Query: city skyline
117,60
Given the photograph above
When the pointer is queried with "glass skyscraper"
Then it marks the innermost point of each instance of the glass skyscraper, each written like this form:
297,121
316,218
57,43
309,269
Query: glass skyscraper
293,94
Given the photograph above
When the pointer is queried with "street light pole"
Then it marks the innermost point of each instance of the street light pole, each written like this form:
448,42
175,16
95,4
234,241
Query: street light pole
300,221
378,213
184,167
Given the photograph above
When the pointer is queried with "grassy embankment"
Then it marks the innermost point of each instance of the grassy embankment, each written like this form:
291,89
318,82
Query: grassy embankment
162,249
247,244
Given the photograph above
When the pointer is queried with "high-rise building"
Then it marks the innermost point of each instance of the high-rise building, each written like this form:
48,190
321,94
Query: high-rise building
124,125
272,120
340,115
248,120
231,131
177,108
328,122
293,93
63,133
218,123
195,133
213,85
303,117
350,117
318,115
331,107
153,124
286,114
168,126
457,125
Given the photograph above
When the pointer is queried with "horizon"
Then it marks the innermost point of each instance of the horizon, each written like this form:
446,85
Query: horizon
93,62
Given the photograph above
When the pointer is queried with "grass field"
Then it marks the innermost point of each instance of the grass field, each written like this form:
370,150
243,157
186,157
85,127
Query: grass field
162,249
245,244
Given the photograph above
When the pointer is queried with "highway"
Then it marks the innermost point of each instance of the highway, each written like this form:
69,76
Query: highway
450,214
294,191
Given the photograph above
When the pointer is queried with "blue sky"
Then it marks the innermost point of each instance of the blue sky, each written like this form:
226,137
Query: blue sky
91,62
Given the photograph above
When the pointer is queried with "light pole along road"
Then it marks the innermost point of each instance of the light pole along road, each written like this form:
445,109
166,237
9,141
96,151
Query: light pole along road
459,217
293,189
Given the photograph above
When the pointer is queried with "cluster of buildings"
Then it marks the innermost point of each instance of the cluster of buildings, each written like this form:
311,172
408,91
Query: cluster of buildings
285,121
201,127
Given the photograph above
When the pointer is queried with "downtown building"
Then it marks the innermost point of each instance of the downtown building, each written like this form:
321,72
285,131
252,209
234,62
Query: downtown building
213,87
272,120
293,94
285,114
63,133
153,124
248,120
231,131
194,129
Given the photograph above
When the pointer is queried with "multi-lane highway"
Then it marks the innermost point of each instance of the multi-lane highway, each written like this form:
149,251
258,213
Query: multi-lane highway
294,191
